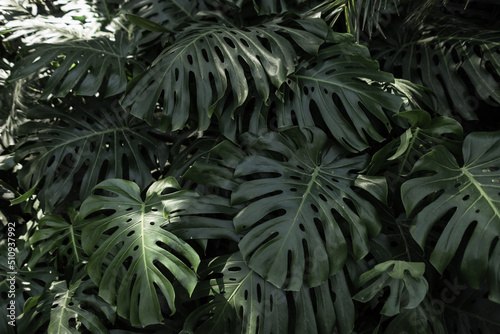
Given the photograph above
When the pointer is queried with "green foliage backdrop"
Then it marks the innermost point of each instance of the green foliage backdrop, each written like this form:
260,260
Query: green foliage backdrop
237,166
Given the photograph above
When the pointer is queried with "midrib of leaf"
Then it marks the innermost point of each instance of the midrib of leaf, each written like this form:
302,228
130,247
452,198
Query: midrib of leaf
304,197
143,242
483,194
73,242
182,9
60,322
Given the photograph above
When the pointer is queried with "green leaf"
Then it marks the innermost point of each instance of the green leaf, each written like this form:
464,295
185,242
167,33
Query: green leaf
375,185
89,144
83,66
146,24
204,65
299,193
243,302
72,307
334,88
407,285
469,196
169,13
56,236
451,57
400,154
418,320
132,278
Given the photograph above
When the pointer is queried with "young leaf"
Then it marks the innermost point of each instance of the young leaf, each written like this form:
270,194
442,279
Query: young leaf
405,280
469,195
300,195
132,278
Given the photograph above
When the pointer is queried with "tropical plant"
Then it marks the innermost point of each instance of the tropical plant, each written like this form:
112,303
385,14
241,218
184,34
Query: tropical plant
232,166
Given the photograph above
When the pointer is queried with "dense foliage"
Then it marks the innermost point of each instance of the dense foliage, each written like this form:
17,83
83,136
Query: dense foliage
223,166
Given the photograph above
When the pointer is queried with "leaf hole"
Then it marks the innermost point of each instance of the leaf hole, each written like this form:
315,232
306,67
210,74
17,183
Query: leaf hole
465,198
190,59
329,187
293,190
315,208
295,177
302,228
244,42
259,293
219,54
323,198
152,223
229,42
131,233
205,55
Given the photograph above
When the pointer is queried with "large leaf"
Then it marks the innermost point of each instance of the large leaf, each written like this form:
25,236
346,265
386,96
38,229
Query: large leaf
208,62
300,196
93,142
407,285
83,66
335,89
467,196
459,62
243,302
147,252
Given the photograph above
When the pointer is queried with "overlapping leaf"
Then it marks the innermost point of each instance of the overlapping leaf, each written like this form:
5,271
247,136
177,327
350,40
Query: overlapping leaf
208,64
335,89
468,196
74,308
407,285
132,278
89,144
83,66
299,190
244,302
457,61
169,13
55,235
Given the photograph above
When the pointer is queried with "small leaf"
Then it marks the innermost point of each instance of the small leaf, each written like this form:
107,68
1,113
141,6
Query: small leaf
407,285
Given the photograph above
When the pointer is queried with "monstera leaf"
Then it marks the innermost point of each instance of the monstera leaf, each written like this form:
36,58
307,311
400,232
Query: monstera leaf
208,62
82,66
55,234
168,13
70,309
335,89
405,280
468,195
450,57
93,142
244,302
399,155
147,254
301,209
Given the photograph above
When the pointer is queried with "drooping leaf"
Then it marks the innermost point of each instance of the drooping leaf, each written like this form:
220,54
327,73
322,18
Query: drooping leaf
243,302
205,64
334,87
407,285
132,278
93,142
301,210
83,66
468,195
458,61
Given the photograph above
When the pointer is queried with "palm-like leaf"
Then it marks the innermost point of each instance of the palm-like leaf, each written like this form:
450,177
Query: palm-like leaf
54,233
455,60
470,195
135,275
94,142
300,198
208,62
407,285
83,66
335,88
244,302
